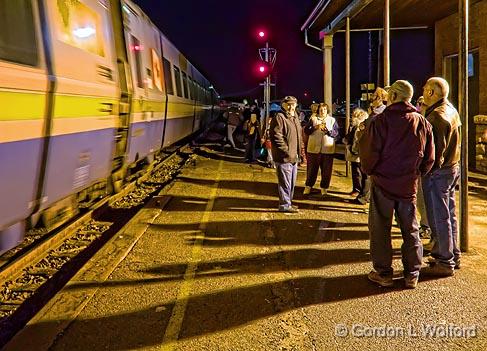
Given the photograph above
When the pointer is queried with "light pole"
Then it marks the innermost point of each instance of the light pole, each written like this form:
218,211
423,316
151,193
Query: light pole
268,55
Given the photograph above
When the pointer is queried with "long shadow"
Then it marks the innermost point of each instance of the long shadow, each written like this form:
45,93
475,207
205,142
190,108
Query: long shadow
266,189
292,231
210,313
238,204
289,260
220,154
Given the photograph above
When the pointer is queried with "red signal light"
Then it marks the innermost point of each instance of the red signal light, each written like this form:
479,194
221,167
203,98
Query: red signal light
261,34
262,69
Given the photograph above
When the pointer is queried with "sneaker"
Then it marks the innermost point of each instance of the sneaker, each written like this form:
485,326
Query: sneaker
354,193
438,270
431,261
324,191
411,282
291,209
307,190
381,280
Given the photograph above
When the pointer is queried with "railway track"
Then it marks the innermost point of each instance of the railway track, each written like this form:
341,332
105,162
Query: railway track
46,261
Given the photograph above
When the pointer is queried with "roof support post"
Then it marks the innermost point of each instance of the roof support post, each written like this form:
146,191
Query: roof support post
463,15
327,69
387,42
347,81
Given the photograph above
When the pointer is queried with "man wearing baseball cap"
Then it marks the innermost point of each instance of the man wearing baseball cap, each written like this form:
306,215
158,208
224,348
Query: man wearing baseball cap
285,135
395,150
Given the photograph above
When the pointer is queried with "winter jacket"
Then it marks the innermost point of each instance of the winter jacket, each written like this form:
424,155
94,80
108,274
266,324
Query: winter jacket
396,148
321,142
446,130
285,136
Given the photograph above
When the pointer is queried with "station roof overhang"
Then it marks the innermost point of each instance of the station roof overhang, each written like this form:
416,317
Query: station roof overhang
329,16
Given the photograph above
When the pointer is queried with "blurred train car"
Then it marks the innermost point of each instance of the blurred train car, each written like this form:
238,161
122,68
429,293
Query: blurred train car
88,90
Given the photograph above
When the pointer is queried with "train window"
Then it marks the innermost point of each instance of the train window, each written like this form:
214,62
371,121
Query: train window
177,77
185,85
17,32
137,48
80,26
156,67
168,77
191,88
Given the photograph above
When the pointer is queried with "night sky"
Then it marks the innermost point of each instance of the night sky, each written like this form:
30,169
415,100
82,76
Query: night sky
220,38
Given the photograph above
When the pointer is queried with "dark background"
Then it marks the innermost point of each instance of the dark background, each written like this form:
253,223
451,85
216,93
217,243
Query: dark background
220,39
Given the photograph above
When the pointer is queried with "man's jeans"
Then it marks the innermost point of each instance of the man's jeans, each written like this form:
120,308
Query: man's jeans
380,223
286,178
439,198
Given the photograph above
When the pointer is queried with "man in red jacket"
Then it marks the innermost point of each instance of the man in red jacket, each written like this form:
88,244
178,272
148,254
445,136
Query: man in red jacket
395,150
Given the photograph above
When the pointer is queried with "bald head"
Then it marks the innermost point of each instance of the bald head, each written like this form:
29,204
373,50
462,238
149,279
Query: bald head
434,90
400,91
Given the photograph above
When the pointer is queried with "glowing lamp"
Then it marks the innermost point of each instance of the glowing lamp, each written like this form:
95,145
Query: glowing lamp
261,34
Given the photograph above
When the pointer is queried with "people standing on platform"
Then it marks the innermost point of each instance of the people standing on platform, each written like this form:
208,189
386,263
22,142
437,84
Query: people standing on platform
285,136
322,130
266,140
233,123
378,102
252,137
360,181
396,148
439,184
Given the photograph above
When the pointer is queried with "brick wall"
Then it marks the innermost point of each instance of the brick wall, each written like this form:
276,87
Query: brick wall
446,43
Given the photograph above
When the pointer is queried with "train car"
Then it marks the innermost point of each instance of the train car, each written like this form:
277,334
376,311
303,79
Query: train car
88,88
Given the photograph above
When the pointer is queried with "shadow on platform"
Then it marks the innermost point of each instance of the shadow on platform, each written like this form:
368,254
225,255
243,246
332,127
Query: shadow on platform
215,312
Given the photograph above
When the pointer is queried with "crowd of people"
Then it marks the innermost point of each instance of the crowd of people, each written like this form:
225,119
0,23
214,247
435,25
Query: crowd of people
402,157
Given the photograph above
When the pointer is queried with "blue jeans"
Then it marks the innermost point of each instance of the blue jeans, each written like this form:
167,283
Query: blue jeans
286,180
380,222
439,198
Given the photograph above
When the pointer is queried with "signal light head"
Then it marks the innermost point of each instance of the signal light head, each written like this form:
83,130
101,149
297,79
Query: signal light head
262,69
261,34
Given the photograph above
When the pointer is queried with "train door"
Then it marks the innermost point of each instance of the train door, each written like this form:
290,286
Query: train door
23,91
84,121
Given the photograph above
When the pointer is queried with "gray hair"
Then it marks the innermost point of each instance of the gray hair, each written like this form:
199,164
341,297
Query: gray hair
440,86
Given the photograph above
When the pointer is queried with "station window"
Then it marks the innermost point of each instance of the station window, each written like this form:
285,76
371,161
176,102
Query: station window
177,77
17,32
185,85
136,48
168,77
80,26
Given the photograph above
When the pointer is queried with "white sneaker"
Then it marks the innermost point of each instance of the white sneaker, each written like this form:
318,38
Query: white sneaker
307,190
323,191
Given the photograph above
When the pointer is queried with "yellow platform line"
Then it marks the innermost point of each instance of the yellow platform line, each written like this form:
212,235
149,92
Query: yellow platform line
176,321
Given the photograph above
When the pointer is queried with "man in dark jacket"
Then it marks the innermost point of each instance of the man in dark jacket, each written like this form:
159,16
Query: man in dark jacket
285,136
395,150
439,185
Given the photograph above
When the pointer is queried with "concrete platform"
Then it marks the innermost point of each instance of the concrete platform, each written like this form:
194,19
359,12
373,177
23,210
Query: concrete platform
211,265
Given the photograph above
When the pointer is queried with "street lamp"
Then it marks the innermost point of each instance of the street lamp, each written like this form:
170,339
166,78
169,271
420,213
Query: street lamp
268,55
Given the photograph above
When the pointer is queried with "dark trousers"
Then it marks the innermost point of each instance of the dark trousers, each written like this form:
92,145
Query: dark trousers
250,153
380,222
439,198
286,180
360,183
316,162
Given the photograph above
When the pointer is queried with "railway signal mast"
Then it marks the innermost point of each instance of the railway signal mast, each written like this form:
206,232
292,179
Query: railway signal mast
268,55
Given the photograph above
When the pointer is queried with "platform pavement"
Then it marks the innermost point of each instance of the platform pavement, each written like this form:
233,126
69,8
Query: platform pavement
217,268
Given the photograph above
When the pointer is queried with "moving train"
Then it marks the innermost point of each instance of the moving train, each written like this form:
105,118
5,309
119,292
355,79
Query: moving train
89,89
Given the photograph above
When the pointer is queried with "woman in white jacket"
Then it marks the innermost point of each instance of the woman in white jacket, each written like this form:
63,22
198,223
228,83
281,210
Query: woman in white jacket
322,130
